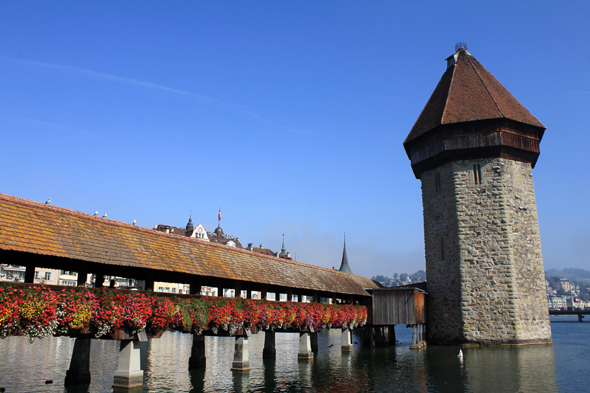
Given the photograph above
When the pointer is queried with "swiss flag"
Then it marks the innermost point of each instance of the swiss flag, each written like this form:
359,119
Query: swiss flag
219,215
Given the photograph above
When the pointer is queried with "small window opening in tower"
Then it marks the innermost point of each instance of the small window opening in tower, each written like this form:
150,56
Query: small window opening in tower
477,174
437,182
442,249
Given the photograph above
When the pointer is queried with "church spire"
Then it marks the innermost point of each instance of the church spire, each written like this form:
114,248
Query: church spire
189,225
344,266
283,248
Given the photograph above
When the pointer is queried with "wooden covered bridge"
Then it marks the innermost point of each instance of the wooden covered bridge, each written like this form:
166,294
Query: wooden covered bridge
34,235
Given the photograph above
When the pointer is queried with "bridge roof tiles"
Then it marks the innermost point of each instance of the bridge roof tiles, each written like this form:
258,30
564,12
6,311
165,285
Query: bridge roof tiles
37,228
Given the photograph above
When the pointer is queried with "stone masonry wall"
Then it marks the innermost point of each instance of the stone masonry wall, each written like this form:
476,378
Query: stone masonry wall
533,324
483,254
443,273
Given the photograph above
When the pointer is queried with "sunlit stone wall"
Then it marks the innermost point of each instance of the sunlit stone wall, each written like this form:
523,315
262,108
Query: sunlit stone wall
483,254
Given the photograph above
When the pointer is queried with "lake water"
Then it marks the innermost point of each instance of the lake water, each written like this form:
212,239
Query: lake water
561,367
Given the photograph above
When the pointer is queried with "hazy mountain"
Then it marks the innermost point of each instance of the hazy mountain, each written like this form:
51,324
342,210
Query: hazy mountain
569,273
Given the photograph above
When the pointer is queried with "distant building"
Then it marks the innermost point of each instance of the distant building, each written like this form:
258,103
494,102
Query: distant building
565,284
266,251
217,236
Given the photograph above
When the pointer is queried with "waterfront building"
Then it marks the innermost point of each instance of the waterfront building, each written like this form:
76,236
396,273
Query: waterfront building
14,273
473,148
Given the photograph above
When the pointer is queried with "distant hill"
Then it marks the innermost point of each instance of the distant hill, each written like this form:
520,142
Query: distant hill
569,273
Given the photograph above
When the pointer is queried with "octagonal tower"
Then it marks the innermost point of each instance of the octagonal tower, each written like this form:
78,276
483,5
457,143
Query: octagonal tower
473,147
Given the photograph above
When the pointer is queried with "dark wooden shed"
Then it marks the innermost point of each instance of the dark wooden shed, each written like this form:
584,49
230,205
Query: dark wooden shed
398,306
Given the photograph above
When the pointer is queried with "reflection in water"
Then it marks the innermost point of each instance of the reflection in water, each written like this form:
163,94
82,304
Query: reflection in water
514,369
393,369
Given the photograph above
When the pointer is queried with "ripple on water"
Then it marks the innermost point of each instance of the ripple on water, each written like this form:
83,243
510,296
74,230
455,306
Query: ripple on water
562,367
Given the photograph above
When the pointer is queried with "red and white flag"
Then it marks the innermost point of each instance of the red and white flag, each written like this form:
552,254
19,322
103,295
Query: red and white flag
219,215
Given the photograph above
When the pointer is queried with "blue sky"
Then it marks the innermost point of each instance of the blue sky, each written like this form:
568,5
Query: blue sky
290,116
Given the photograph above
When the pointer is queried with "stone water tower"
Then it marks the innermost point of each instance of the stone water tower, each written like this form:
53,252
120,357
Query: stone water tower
473,147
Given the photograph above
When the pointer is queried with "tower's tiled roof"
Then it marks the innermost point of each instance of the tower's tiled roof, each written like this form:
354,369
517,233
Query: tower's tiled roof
32,227
468,92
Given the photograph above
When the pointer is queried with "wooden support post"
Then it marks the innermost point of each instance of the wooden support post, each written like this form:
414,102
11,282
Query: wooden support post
98,280
368,336
129,373
380,340
346,340
305,352
82,275
391,335
316,297
79,372
30,274
238,289
198,358
195,288
269,350
289,295
241,357
313,338
149,284
249,294
263,292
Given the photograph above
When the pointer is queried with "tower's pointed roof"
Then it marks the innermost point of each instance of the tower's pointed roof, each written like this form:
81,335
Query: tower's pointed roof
344,265
468,92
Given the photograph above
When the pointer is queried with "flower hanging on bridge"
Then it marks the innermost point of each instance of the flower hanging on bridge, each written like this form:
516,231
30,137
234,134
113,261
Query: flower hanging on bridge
39,311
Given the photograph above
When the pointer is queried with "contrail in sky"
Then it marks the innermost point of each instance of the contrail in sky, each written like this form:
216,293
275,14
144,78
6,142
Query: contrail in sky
59,126
149,85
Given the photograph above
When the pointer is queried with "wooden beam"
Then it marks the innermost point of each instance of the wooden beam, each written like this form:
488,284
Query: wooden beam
30,274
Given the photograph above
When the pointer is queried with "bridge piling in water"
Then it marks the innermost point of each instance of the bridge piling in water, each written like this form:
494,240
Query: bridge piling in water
129,373
79,372
346,341
305,351
198,358
313,338
269,351
391,335
241,355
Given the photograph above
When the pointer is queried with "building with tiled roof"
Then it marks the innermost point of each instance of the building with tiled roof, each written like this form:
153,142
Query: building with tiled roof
217,236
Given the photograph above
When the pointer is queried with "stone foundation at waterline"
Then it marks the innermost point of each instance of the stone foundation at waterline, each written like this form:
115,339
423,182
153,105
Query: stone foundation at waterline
486,282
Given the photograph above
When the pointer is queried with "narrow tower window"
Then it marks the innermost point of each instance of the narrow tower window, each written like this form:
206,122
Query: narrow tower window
437,182
477,174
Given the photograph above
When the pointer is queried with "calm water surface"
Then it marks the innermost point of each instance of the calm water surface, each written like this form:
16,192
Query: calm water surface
561,367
